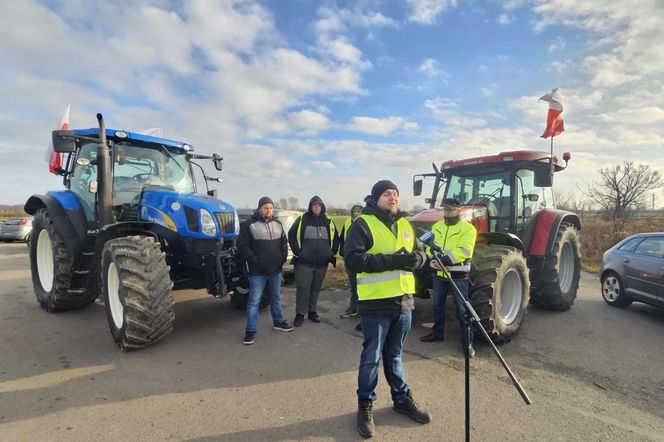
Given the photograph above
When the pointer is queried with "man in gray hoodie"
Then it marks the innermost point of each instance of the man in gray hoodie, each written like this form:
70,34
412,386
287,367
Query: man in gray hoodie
314,241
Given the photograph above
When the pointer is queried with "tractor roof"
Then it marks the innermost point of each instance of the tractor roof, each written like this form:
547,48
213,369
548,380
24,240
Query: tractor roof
123,135
503,157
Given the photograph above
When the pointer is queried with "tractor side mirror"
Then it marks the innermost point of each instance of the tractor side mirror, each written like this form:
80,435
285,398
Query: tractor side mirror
214,193
217,159
544,176
63,141
532,197
417,187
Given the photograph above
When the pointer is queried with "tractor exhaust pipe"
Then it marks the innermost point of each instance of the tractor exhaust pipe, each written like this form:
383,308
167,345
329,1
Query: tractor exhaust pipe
104,181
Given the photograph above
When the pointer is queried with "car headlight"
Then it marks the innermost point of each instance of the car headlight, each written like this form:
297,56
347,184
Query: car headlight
208,227
237,223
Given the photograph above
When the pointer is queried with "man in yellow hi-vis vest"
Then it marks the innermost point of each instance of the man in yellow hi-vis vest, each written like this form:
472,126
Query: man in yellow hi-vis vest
457,239
380,249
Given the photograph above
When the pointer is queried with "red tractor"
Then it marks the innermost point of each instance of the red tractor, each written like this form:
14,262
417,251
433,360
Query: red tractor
527,250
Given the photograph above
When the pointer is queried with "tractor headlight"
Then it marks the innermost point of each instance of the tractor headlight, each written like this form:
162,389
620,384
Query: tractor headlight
208,227
237,223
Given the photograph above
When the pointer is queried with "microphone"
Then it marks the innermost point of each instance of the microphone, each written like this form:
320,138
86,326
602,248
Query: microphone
427,238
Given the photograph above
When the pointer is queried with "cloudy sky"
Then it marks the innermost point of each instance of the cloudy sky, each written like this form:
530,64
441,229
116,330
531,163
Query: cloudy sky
306,97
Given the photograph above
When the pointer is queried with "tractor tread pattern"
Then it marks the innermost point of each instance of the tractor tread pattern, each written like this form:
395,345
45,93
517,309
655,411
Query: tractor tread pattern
61,297
546,291
490,263
147,288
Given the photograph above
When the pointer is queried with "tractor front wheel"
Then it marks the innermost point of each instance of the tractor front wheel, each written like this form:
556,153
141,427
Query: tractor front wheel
137,291
500,290
51,266
555,287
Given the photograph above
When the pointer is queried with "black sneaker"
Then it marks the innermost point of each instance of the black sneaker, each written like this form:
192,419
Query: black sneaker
411,409
299,319
349,313
283,326
365,422
248,338
313,317
358,327
432,338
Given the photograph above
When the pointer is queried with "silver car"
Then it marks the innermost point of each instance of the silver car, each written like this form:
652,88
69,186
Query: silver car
633,270
16,229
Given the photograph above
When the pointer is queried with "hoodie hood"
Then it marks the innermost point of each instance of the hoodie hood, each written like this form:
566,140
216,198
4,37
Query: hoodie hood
317,199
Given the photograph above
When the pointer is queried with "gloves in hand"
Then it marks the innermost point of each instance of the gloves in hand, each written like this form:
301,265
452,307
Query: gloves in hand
409,261
403,261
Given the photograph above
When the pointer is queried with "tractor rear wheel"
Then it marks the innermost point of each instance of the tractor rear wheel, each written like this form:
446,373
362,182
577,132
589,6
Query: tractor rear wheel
137,291
500,290
240,295
51,266
555,287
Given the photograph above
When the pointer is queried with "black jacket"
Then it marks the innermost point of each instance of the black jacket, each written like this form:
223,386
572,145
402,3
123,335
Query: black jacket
358,241
314,238
262,245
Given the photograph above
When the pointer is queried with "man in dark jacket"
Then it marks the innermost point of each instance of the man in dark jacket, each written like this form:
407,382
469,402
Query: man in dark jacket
263,246
380,248
314,241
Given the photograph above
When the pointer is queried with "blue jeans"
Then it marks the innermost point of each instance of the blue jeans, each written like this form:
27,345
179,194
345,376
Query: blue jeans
256,286
441,287
384,336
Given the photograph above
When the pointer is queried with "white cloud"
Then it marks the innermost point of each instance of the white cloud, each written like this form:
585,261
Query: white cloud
505,19
380,126
560,66
309,121
426,12
431,68
557,45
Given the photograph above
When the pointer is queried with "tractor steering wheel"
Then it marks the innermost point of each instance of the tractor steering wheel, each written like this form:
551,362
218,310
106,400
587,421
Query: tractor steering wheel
142,177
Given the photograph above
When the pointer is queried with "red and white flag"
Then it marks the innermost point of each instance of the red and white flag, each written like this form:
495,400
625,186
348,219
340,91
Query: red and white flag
554,119
55,158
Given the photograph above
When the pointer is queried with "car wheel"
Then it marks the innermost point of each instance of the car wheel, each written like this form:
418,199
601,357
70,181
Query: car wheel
613,292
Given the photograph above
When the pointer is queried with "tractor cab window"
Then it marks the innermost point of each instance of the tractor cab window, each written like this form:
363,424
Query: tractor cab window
492,190
139,167
83,182
530,198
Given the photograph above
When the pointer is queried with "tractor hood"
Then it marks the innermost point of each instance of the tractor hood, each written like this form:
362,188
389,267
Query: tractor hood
186,213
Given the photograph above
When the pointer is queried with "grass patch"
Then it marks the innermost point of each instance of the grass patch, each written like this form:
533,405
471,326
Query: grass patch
336,277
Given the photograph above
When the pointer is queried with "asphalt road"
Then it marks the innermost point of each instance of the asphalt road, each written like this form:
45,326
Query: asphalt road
594,373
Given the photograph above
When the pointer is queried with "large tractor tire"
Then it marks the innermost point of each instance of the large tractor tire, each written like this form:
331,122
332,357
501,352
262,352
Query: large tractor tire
137,291
555,287
240,295
500,290
51,265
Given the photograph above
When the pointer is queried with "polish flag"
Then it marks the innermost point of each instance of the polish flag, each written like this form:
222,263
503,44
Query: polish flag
554,120
55,158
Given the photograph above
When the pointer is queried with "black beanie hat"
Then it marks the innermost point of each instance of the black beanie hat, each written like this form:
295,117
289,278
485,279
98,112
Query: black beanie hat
264,200
380,187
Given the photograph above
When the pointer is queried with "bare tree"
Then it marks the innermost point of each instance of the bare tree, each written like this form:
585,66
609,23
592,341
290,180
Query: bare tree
292,203
570,201
622,189
283,203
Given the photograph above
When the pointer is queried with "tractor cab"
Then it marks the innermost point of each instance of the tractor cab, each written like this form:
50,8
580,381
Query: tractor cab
500,193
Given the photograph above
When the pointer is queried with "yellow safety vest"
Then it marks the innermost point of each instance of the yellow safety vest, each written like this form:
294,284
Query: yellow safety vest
393,282
347,224
458,242
299,232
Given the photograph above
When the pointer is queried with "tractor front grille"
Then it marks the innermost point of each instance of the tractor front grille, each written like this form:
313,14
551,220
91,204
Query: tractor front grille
226,221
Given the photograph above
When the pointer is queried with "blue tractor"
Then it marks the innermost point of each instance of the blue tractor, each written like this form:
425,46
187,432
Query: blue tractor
131,227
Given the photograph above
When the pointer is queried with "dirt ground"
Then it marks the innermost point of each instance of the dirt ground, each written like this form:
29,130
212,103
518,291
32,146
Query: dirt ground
593,373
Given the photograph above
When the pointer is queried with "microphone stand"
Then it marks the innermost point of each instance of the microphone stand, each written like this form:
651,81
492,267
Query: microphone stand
469,318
